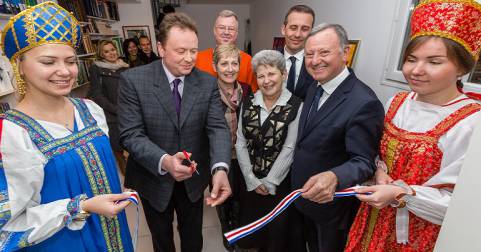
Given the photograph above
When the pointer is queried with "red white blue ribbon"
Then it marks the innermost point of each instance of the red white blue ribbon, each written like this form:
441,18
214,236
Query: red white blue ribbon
134,198
248,229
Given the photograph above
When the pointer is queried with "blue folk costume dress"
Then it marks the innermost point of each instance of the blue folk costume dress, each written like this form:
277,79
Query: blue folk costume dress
46,169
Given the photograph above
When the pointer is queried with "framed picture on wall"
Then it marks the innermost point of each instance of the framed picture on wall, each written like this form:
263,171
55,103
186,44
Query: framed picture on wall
135,31
353,46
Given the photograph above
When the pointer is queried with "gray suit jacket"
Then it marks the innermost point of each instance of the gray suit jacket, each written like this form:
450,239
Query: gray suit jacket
149,128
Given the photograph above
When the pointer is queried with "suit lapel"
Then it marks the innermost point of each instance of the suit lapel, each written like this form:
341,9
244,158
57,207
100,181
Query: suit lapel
191,88
334,101
305,109
302,76
163,93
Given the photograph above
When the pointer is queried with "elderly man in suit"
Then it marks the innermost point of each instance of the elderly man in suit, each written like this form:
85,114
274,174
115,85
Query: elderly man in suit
339,132
164,108
297,25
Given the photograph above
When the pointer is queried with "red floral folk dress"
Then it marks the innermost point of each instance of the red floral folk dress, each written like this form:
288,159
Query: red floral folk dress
414,158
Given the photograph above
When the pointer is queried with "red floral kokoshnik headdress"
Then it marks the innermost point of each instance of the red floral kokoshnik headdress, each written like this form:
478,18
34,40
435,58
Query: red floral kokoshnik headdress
458,20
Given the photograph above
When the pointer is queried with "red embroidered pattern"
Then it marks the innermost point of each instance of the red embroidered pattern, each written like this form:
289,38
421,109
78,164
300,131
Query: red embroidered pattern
414,158
458,20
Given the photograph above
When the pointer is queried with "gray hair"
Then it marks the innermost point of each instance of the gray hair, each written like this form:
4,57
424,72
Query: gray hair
269,57
226,14
338,29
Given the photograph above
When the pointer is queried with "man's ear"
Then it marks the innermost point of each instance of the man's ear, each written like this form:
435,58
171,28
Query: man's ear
213,67
160,49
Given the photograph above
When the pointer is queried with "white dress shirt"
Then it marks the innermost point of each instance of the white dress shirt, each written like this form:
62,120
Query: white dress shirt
299,59
330,86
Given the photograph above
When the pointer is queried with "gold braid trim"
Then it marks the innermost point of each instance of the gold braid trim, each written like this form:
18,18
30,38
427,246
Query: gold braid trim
451,37
471,3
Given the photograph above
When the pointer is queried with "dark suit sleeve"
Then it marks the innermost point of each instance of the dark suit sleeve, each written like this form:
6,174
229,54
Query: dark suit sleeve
217,130
363,134
132,129
96,92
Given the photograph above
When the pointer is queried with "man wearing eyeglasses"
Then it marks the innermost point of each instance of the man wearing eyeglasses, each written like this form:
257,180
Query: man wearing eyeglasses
226,28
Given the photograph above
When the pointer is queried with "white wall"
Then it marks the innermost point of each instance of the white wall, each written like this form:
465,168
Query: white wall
135,13
370,21
205,14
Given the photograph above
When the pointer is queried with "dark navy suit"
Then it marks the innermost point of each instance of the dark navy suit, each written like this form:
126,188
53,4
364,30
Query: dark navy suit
342,137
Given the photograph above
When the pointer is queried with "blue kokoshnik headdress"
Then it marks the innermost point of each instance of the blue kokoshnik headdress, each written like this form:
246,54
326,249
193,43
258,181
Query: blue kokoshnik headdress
45,23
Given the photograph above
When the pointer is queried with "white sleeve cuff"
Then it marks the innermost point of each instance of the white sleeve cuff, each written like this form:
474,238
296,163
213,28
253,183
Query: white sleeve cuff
223,164
162,171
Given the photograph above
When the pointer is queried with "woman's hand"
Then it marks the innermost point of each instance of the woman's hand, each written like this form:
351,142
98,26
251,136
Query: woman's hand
105,204
262,190
381,195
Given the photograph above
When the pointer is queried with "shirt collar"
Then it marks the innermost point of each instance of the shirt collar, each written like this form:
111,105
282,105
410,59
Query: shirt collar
281,101
299,55
170,76
331,85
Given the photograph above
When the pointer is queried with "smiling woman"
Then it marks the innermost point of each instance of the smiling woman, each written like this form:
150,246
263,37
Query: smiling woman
266,135
58,177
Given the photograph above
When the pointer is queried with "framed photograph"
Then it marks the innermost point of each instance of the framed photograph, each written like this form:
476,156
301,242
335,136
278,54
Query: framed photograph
353,45
136,31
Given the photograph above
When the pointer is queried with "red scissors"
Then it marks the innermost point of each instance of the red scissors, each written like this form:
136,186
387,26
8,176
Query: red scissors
186,155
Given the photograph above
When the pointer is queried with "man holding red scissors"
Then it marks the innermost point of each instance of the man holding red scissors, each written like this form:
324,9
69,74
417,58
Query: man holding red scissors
167,107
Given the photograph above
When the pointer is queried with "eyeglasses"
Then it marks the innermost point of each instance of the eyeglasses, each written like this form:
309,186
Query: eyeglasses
229,29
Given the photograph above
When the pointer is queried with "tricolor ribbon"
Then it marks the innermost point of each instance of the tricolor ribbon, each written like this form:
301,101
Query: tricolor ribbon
134,198
248,229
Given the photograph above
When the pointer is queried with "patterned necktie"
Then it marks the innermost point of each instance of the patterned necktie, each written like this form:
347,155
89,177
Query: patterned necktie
315,102
291,78
176,95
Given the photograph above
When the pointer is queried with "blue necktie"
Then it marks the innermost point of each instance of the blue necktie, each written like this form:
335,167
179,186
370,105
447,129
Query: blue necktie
176,95
291,78
315,102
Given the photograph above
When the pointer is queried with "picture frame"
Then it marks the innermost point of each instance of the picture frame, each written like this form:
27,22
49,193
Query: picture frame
353,47
278,44
135,31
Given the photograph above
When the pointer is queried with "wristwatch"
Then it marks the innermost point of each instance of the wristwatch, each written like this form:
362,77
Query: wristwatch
400,200
220,168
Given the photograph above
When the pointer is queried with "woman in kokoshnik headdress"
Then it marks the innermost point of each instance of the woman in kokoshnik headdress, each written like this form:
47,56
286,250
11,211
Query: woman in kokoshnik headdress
56,166
426,135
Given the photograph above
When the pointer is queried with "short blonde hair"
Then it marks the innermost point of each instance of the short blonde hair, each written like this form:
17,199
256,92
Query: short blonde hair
224,51
100,47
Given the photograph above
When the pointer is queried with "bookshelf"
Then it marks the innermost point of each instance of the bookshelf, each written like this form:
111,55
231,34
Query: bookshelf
94,16
102,19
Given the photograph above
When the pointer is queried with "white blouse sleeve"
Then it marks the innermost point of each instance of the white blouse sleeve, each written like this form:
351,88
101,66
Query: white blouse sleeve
252,182
432,198
98,114
20,211
283,162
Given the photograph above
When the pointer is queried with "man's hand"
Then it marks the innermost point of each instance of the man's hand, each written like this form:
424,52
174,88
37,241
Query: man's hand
320,188
173,165
220,189
262,190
